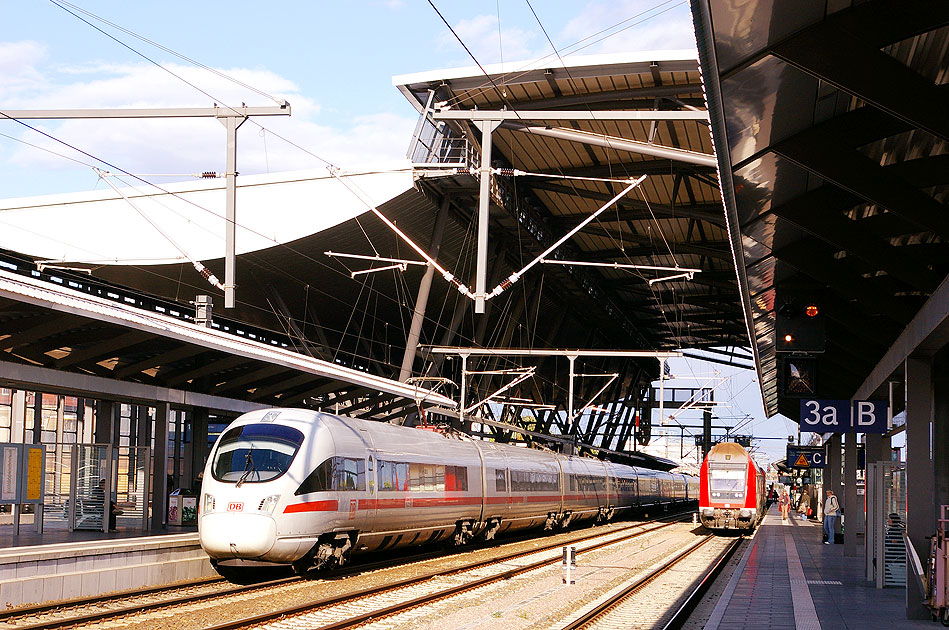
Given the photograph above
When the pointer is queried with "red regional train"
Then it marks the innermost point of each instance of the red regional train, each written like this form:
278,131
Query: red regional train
732,491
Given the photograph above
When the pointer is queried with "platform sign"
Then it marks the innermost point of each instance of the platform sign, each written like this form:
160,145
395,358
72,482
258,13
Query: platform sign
805,457
8,474
33,477
844,416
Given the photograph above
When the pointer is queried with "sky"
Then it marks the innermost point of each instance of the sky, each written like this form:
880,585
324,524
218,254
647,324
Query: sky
332,61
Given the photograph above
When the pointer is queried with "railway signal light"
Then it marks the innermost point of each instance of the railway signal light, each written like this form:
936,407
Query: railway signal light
799,326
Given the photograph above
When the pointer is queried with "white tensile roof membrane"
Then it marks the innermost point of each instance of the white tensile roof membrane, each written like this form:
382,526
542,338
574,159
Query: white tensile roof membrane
103,227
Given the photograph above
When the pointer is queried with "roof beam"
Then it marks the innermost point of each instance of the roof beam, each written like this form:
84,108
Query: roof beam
617,144
832,227
634,209
832,52
160,360
863,177
563,114
103,349
208,369
652,92
50,326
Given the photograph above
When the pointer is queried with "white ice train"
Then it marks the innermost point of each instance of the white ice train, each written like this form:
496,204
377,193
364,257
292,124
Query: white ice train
299,487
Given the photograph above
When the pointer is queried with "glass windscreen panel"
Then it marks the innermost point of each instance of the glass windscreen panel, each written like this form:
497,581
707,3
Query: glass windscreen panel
255,452
727,481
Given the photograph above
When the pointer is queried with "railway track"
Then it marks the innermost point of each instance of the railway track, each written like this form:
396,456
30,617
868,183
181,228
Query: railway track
394,598
143,608
632,606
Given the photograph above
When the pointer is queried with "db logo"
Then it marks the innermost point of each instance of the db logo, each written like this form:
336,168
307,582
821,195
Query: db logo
235,507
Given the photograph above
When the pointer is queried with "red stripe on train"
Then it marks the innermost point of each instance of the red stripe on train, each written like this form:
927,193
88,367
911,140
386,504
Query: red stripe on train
312,506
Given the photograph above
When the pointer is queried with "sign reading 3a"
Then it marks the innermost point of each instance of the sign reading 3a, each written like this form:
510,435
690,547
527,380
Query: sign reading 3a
844,416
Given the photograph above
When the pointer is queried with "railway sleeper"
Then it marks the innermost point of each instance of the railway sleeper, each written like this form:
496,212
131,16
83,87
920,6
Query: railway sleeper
332,550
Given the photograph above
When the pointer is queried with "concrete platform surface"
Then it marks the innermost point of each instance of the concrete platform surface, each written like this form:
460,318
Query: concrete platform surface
789,580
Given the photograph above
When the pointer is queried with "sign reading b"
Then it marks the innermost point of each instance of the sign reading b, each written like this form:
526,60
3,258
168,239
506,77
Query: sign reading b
844,416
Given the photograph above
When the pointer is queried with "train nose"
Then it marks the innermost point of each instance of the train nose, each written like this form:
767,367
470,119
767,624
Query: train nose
237,536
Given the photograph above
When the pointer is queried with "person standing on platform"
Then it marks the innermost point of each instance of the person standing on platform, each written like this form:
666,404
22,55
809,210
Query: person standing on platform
831,509
804,505
785,503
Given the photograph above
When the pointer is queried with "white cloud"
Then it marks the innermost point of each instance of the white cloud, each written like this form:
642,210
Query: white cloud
630,25
160,146
18,70
480,35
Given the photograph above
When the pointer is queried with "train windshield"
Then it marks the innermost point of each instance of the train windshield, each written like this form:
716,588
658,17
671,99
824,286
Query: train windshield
727,479
255,452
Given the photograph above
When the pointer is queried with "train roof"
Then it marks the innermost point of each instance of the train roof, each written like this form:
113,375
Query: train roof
728,450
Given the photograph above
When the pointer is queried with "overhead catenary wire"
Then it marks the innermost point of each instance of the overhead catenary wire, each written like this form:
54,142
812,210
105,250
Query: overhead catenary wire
311,154
200,268
517,274
74,10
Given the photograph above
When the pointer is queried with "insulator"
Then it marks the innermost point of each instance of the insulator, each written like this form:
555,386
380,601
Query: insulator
507,172
209,175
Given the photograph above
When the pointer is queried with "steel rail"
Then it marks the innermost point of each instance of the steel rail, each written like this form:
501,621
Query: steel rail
682,614
604,607
393,586
12,615
38,609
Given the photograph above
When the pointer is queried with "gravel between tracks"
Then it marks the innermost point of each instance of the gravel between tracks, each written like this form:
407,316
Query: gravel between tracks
204,614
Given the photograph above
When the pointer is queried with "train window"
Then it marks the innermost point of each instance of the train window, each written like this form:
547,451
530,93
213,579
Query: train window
351,474
587,484
393,475
255,452
320,480
534,481
336,473
500,480
456,478
727,480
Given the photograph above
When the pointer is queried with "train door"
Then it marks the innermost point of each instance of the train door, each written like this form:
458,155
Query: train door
366,504
371,487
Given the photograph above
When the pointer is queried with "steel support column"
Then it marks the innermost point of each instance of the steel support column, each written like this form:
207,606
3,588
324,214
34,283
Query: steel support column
421,302
920,478
160,466
487,128
105,421
849,501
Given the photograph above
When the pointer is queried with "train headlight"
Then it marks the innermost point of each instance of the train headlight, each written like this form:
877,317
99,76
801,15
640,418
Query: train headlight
269,503
208,506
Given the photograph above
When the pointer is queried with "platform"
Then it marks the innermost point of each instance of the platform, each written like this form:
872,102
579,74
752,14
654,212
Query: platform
787,579
63,565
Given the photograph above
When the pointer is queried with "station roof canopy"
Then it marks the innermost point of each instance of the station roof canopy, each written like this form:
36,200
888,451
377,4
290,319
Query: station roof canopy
831,134
572,134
